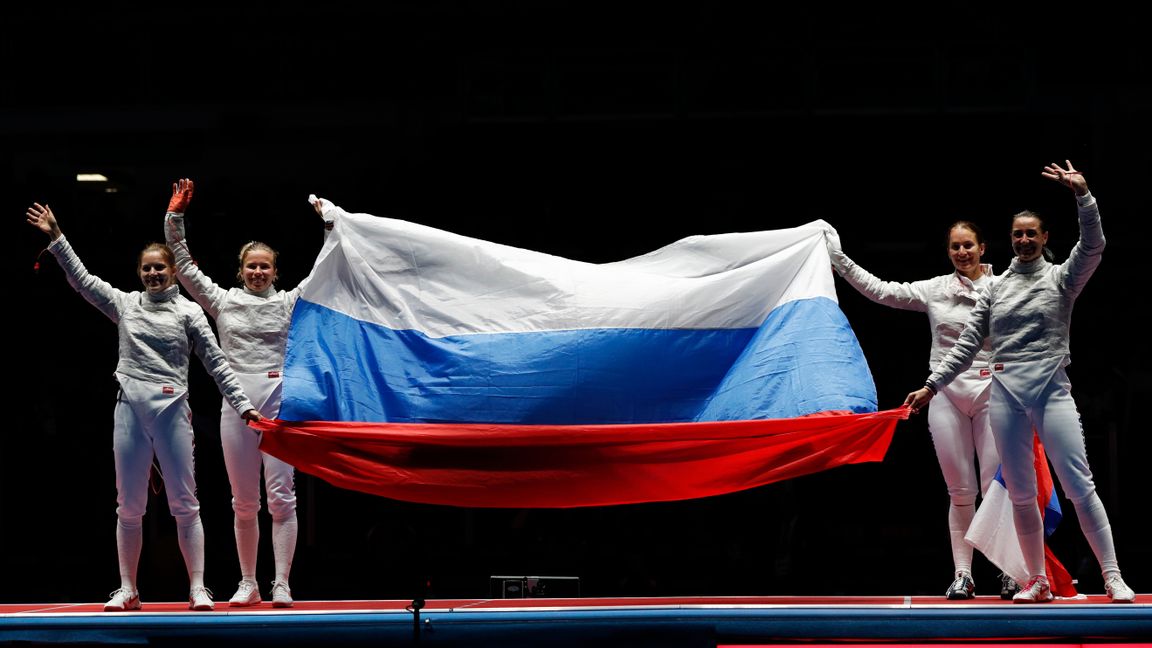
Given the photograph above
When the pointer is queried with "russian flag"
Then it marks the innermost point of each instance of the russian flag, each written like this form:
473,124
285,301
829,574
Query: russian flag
456,370
993,529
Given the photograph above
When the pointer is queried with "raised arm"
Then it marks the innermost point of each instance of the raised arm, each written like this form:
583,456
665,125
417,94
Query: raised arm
95,290
326,210
329,213
199,285
1067,176
902,295
42,218
1086,254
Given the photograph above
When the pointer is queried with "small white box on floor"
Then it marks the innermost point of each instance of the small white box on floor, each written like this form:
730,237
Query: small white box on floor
502,587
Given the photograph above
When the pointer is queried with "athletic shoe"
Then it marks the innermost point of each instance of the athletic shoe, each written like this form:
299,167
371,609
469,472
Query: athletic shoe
200,599
1008,587
962,588
246,594
281,595
1117,590
1036,591
123,599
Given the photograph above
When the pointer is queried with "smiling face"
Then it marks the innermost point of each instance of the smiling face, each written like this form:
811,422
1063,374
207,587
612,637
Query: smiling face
258,269
965,250
1028,237
156,271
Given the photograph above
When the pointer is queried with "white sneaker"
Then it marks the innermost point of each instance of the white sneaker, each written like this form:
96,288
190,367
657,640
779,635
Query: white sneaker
200,599
1036,591
1117,590
246,594
123,599
281,595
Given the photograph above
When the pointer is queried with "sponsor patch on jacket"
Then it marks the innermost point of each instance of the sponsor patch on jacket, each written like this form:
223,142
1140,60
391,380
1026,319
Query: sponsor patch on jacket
999,366
168,390
273,374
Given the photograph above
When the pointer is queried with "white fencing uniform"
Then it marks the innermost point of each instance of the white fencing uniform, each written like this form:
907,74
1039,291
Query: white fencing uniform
1027,314
959,422
253,329
158,333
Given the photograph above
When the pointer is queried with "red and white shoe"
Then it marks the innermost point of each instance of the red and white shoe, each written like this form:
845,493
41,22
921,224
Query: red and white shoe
1036,591
123,599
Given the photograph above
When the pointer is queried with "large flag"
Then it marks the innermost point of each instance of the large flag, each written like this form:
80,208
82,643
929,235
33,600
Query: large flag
429,366
993,530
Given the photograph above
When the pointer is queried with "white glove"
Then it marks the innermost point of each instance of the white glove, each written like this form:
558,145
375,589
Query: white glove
832,240
324,209
835,251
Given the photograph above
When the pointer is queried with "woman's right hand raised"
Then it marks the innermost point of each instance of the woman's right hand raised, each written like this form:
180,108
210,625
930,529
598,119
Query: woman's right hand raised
832,241
181,196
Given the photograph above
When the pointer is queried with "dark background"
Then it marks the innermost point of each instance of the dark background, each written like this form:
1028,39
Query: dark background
590,131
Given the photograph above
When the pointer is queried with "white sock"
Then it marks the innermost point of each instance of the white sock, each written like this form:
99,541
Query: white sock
1098,531
247,546
191,538
1030,531
128,543
959,519
284,545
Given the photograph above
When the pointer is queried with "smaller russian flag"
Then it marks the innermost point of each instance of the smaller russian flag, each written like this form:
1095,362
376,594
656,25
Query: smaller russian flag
993,531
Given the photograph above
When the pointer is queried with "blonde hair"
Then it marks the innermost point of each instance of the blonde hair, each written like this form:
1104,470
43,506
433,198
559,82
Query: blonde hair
255,246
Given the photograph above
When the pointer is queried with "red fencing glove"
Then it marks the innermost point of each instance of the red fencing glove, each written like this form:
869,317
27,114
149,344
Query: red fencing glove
181,196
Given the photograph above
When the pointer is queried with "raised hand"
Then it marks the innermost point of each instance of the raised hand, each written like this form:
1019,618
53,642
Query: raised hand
832,241
181,196
1069,177
318,205
42,218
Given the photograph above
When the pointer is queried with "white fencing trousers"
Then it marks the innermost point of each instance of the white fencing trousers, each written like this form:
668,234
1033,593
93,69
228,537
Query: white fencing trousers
147,423
243,458
958,420
1027,395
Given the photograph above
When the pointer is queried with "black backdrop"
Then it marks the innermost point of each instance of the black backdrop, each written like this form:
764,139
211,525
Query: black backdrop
589,131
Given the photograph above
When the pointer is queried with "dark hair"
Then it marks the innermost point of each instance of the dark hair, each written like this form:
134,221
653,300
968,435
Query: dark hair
1028,213
968,225
1049,255
164,250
